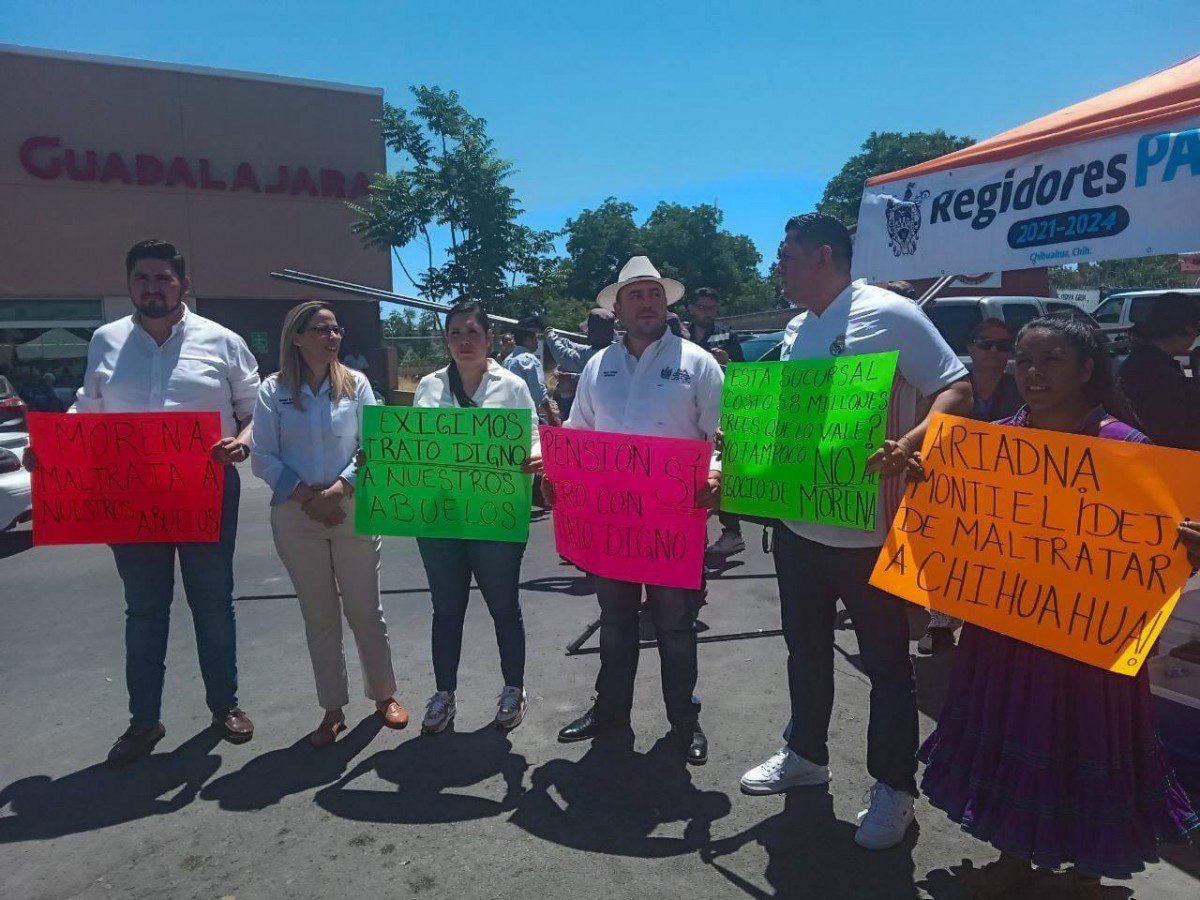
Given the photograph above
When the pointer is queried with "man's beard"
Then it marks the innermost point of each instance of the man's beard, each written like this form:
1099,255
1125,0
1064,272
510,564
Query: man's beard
157,309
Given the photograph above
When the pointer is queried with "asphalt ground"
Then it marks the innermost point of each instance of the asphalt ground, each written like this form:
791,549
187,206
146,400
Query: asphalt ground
469,813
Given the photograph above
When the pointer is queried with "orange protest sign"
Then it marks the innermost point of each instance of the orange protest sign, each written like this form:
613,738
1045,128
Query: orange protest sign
1062,541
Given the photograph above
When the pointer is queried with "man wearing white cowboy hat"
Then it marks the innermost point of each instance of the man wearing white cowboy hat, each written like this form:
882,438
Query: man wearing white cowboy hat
652,383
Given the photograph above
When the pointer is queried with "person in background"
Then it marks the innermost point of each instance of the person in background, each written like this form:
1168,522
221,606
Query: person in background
705,330
1048,759
571,356
1165,401
990,345
39,395
524,362
638,386
818,564
677,326
473,380
356,361
507,344
717,339
306,427
165,357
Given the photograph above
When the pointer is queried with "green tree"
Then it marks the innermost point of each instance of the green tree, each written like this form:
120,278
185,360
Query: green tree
599,242
451,176
1124,274
883,152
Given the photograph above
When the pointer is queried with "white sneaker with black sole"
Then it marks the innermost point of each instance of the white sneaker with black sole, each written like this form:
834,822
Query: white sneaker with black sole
885,822
510,708
439,712
785,770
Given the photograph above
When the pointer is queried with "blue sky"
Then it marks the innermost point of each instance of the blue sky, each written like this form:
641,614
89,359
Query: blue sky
752,105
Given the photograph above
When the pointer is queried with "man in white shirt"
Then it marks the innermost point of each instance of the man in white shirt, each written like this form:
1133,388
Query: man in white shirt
166,358
652,383
818,564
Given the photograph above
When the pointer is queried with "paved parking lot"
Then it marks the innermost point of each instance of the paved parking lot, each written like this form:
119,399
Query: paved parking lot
470,813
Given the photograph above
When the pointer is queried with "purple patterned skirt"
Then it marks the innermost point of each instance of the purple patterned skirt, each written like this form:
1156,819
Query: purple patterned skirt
1053,760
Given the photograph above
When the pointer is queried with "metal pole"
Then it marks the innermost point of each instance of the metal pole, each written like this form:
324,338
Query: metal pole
362,290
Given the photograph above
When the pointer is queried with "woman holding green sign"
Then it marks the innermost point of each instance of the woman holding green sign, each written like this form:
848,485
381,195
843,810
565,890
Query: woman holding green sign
305,439
474,380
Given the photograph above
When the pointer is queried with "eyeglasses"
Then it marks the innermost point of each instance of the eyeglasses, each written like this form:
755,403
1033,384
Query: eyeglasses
328,330
991,344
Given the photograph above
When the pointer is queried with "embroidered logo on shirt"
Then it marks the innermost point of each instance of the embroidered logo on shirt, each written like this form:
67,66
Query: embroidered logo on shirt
609,374
838,347
285,401
680,375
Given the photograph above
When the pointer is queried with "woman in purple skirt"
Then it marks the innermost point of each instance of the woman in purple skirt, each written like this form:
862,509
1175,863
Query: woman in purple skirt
1050,760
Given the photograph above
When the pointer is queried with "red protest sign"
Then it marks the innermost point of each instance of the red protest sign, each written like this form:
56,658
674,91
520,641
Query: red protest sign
115,478
626,505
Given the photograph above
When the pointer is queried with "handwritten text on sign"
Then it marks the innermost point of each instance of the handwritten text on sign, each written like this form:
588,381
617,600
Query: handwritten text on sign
1062,541
445,472
626,505
797,436
116,478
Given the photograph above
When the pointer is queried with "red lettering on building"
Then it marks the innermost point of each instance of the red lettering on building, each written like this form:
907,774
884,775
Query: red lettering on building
44,157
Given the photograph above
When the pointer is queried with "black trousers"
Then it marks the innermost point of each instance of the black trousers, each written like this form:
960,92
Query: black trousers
673,611
812,577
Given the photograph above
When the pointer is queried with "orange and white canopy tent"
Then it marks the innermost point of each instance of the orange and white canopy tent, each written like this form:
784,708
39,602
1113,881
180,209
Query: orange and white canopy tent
1114,177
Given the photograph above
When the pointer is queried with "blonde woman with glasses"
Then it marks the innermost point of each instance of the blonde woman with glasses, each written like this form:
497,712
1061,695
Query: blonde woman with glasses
309,417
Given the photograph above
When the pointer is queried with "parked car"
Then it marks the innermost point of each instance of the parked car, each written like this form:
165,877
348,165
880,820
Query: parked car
16,497
12,408
758,347
955,317
1118,312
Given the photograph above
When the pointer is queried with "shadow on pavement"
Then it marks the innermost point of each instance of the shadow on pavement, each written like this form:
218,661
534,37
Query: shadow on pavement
98,797
811,853
953,883
14,542
571,585
267,779
428,772
613,799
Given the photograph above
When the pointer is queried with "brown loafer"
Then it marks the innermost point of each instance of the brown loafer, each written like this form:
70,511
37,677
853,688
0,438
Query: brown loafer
327,732
394,715
235,726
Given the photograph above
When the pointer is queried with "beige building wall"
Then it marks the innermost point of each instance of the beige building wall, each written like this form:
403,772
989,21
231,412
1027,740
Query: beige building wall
66,238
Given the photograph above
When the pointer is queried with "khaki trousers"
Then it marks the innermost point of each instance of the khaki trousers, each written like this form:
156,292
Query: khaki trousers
336,573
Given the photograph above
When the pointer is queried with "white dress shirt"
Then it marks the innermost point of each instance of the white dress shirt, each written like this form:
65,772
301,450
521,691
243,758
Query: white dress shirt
202,367
673,390
313,445
499,389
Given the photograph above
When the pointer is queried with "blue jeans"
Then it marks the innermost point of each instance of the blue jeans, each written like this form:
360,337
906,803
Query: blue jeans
496,565
148,572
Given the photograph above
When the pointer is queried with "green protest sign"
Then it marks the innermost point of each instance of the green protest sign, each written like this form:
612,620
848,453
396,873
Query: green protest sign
444,472
797,436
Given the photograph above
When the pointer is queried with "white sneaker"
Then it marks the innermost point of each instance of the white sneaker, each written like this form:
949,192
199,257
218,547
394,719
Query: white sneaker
729,543
786,769
884,824
510,709
439,713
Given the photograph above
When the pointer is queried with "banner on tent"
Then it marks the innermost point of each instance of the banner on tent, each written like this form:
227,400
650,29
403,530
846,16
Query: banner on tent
1122,196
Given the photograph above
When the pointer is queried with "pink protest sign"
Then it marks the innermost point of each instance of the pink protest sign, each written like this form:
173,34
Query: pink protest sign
626,504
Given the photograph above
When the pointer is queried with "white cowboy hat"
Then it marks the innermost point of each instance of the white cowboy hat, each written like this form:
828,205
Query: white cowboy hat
639,268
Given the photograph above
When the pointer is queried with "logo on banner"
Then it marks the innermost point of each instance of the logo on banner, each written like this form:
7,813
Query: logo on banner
904,221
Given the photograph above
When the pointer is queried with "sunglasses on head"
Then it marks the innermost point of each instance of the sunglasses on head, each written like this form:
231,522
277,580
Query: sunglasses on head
993,344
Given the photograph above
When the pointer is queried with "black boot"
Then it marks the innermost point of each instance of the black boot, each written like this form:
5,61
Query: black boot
692,741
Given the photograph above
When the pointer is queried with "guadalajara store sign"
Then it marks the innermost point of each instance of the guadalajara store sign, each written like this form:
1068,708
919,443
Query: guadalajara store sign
45,157
1114,177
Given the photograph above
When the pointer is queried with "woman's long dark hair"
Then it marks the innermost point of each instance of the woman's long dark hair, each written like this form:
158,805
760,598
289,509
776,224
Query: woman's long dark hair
475,310
1102,388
